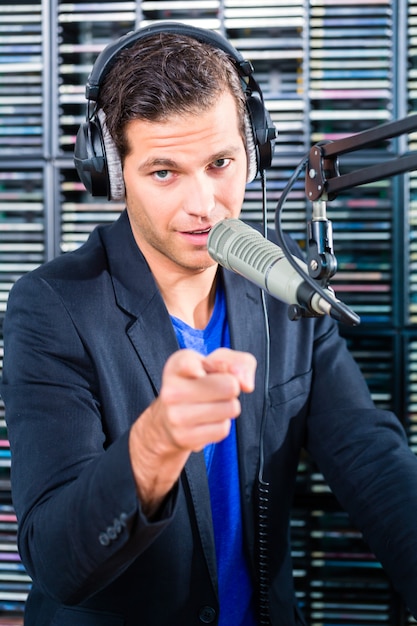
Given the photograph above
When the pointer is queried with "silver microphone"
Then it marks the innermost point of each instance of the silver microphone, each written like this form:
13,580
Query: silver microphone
242,249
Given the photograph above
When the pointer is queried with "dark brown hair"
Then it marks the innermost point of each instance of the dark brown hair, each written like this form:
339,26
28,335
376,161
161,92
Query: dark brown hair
163,75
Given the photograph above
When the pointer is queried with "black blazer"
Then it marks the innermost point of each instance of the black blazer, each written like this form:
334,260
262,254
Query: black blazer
86,338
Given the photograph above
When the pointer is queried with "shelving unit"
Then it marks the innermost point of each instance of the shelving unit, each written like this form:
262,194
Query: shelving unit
328,68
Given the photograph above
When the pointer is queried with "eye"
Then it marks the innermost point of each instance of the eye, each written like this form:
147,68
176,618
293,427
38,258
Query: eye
162,174
220,163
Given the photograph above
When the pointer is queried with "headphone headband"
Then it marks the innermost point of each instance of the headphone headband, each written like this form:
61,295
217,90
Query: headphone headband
108,56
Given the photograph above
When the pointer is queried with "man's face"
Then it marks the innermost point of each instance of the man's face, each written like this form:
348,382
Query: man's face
182,176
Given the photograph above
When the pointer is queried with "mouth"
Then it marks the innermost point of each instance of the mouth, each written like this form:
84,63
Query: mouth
204,231
197,237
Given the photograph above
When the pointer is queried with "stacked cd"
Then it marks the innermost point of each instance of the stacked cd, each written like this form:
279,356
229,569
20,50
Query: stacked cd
410,276
351,89
79,213
411,313
202,13
22,248
338,580
83,31
350,84
21,79
14,581
22,225
411,393
363,244
270,33
22,229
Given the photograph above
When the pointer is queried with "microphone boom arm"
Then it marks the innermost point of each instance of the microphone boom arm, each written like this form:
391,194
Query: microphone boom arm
323,182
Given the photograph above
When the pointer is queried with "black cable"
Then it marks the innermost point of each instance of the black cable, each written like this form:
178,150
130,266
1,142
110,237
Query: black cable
263,493
263,486
338,309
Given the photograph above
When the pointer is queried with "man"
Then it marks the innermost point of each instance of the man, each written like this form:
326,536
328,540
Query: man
134,382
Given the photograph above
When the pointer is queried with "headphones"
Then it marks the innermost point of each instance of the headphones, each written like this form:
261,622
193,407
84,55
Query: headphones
95,155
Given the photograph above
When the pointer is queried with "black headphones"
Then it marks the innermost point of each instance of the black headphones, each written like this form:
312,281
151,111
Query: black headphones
95,155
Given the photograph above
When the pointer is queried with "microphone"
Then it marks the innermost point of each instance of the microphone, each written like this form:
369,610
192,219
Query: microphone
242,249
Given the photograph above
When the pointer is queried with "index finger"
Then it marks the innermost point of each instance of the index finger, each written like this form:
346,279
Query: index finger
240,364
185,363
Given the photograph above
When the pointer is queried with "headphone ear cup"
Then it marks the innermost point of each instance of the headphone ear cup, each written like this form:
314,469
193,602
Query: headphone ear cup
97,161
250,150
116,185
263,131
89,158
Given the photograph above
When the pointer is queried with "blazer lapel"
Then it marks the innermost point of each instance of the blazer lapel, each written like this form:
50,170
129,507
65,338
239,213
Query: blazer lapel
247,330
137,294
153,349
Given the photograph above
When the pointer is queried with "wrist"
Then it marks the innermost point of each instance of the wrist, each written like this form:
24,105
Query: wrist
155,471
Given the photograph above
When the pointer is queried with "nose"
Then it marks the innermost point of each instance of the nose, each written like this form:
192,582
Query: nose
199,197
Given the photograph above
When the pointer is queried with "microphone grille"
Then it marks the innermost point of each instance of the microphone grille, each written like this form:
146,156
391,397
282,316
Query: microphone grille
233,239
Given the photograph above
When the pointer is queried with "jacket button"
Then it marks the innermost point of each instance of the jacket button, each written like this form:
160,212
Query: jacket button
207,614
111,532
104,539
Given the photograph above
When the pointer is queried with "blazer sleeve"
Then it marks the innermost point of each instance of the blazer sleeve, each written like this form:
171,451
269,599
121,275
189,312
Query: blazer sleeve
364,456
66,478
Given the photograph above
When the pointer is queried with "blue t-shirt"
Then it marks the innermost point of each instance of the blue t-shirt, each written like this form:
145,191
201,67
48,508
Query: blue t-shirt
235,586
